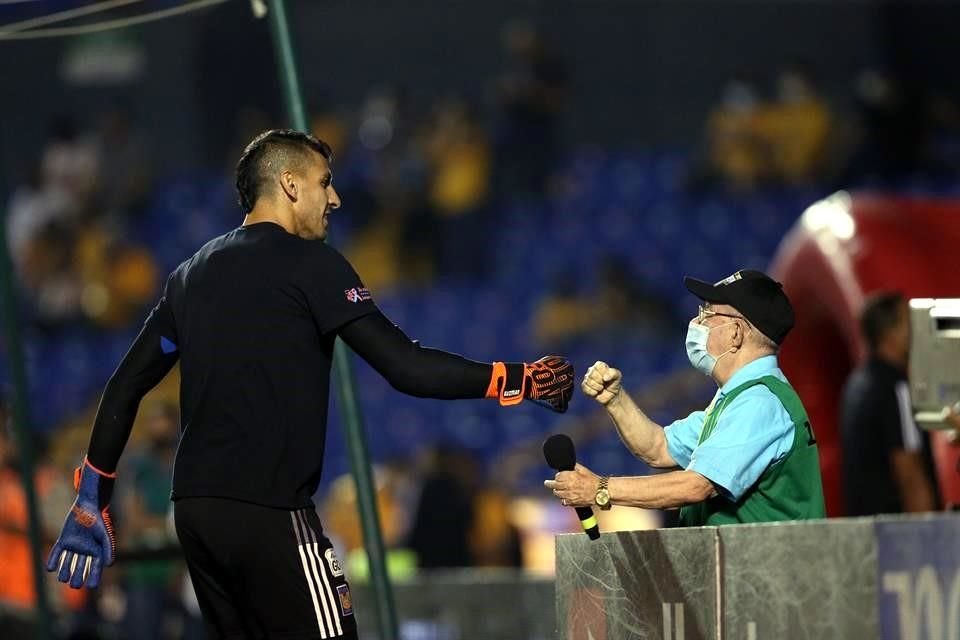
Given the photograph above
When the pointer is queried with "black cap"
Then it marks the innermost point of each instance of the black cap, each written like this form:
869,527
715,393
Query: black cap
756,295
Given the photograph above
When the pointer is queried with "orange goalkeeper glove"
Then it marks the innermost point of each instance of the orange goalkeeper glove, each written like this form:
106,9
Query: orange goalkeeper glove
548,382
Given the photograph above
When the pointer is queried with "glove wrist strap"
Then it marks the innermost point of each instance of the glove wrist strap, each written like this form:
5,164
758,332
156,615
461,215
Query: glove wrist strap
78,473
507,383
87,462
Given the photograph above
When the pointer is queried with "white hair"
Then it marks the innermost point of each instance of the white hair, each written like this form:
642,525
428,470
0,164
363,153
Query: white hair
761,340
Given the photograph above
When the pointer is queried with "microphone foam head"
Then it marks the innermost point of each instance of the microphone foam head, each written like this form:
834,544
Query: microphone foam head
559,451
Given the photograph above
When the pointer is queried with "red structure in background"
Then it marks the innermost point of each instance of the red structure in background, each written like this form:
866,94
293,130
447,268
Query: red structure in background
842,249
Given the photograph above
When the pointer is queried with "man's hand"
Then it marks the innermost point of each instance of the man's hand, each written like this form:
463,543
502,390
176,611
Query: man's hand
548,382
86,543
577,488
602,383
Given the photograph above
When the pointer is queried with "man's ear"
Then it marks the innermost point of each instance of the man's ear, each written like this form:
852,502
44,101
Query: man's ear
290,186
738,337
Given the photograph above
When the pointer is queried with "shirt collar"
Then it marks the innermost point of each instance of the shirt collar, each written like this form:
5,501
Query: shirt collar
751,371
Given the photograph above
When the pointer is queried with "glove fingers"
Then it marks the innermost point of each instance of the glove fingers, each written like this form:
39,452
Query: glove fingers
95,567
77,569
53,560
66,559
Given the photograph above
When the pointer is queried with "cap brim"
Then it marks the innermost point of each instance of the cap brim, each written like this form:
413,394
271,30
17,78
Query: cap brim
704,290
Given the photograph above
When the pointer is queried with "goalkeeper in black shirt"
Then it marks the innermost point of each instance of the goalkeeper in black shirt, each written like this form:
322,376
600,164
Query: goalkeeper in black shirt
252,318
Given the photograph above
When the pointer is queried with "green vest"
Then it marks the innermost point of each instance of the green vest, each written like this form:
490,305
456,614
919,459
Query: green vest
790,489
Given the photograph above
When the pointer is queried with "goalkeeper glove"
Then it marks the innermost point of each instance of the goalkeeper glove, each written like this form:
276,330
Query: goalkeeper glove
86,543
548,382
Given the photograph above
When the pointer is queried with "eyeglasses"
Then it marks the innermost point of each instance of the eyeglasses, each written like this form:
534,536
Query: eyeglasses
705,313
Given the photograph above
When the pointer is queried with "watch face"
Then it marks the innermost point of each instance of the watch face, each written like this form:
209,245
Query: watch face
603,497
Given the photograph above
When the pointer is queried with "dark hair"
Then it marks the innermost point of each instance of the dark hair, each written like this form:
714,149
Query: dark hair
272,148
880,314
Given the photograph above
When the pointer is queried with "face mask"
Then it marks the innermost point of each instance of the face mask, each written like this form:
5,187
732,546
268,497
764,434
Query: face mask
700,358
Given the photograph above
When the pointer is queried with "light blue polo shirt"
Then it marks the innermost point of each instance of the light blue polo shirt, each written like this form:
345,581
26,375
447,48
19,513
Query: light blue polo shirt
753,432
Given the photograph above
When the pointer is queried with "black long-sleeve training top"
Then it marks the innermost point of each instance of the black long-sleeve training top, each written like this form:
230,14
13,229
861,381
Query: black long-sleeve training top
252,318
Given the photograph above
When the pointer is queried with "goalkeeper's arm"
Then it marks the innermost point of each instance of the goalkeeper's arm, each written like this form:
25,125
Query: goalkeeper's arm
144,365
430,373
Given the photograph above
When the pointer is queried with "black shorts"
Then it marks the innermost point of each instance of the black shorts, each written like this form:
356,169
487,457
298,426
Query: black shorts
261,572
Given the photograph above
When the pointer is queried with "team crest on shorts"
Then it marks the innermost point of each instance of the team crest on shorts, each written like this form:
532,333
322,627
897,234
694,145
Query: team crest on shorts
346,602
333,562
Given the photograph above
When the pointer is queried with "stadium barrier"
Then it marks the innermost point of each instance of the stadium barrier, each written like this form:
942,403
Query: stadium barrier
888,577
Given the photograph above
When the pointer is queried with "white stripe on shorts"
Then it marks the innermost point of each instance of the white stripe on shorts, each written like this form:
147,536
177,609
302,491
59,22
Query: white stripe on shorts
306,573
328,606
334,607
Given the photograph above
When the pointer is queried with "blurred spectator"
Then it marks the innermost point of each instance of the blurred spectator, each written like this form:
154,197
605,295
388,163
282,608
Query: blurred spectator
151,585
123,164
796,128
628,304
352,164
753,141
71,275
16,588
563,313
387,130
737,153
70,162
54,285
619,302
445,515
388,173
495,539
893,127
458,153
34,206
887,464
390,132
326,124
339,510
119,279
68,262
17,591
131,279
530,96
458,157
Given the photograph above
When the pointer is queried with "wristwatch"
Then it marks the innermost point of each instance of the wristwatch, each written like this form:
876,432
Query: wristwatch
603,494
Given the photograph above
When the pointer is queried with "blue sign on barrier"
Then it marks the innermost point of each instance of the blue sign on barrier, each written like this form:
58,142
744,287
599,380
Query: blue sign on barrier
918,571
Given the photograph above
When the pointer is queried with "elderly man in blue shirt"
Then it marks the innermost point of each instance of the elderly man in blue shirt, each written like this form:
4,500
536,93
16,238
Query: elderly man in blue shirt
750,456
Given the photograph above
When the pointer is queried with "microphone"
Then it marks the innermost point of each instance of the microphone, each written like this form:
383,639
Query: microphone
560,454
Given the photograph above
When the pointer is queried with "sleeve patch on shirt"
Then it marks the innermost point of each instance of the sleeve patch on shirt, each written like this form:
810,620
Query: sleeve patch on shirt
358,294
167,345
